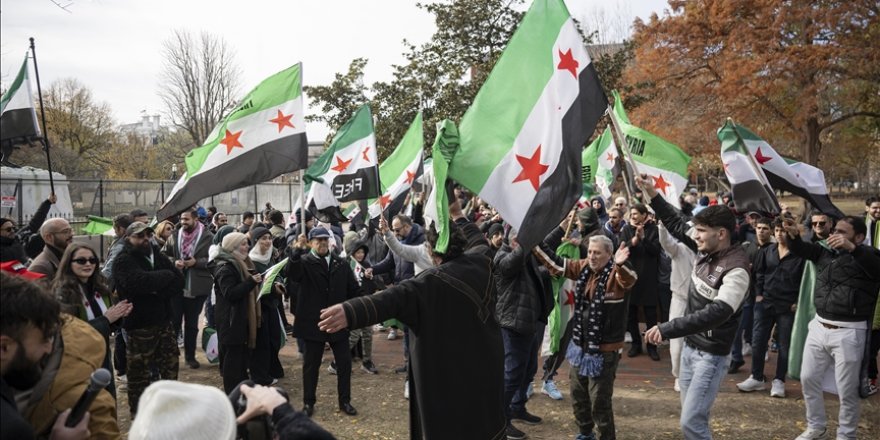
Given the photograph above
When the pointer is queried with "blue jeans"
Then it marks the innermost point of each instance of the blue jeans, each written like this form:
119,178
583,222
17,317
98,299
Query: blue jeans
520,366
765,317
744,330
700,377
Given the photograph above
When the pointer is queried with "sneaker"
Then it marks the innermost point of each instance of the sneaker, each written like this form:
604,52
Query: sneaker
627,338
513,433
392,334
274,381
180,341
751,384
774,346
872,387
550,389
369,367
589,436
406,390
193,364
747,349
332,367
676,386
530,390
401,370
813,434
526,417
777,389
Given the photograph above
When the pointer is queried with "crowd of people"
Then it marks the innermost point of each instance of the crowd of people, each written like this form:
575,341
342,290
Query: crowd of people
713,283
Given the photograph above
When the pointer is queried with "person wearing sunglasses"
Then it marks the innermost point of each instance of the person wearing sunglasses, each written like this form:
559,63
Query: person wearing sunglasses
12,238
820,226
83,292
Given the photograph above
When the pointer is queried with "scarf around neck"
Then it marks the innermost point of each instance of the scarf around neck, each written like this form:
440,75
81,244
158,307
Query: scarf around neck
188,240
262,258
583,350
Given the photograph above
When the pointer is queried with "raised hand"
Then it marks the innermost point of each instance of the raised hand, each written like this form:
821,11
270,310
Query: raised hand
646,184
621,255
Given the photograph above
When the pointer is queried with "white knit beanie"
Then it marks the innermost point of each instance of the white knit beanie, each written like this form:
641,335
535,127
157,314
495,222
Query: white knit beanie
169,409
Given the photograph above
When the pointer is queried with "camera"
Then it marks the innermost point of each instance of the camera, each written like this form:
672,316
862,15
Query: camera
258,428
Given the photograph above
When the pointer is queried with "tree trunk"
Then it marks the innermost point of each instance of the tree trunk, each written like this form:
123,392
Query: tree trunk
812,144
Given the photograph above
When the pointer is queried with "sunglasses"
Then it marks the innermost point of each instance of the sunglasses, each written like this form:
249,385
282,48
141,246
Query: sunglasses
83,261
818,223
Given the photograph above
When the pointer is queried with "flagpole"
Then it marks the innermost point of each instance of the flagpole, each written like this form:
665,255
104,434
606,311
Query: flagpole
43,117
302,202
621,152
756,168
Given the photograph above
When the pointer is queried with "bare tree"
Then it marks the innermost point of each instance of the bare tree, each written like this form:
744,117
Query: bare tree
200,82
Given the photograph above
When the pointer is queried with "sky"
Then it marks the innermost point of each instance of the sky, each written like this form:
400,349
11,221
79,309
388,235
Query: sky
114,46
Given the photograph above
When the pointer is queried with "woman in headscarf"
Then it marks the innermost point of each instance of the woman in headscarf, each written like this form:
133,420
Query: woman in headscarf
265,367
83,292
212,252
236,284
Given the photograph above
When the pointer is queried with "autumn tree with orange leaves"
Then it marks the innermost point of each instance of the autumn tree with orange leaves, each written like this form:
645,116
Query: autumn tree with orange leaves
792,71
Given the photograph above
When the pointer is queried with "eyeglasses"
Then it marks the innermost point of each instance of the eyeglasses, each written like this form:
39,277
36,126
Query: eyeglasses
83,261
820,224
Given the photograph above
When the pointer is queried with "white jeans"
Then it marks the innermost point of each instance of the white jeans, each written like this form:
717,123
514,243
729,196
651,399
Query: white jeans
676,310
841,349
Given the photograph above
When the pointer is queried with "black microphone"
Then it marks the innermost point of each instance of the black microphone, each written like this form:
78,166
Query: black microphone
99,380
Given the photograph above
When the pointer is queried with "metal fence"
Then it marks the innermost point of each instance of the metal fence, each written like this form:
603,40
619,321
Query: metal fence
108,198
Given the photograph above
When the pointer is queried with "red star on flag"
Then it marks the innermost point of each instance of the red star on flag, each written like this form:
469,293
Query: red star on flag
660,183
761,158
282,120
567,62
341,165
366,150
410,177
569,297
384,200
610,157
231,141
532,168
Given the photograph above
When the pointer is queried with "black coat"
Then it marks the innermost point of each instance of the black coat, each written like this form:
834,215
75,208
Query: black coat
645,258
148,287
320,287
450,312
231,308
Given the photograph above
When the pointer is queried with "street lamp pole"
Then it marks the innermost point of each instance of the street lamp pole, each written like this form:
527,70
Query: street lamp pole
174,171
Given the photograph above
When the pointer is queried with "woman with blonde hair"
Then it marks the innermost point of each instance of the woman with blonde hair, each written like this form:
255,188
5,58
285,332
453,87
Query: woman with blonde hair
83,292
161,233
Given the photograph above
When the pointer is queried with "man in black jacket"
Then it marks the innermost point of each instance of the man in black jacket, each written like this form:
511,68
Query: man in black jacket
525,298
12,241
324,280
148,280
844,296
777,274
719,285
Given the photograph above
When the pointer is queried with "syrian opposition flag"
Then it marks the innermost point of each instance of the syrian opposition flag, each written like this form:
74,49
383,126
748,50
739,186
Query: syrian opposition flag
261,139
798,178
521,139
600,168
446,142
270,276
99,226
18,120
749,186
399,171
347,171
661,160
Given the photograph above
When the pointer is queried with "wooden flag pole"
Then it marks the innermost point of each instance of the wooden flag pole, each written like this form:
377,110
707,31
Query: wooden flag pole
621,152
43,117
570,221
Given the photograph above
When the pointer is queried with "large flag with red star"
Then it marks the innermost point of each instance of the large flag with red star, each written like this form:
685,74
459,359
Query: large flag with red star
661,160
261,139
600,169
748,158
399,171
18,120
347,171
521,139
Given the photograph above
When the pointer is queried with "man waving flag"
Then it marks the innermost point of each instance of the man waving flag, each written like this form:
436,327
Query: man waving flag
261,139
522,137
399,171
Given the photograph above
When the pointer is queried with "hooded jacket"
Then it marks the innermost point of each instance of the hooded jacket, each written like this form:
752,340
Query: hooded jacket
525,293
402,269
